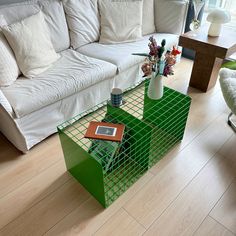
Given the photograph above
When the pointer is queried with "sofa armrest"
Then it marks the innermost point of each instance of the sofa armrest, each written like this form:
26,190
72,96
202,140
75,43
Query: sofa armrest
5,104
170,15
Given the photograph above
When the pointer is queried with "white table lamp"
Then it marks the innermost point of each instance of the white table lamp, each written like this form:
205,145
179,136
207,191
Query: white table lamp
217,17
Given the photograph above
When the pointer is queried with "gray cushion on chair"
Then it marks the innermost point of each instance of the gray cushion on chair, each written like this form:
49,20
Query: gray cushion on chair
228,87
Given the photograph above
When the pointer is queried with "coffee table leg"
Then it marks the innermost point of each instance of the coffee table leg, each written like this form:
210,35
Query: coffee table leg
205,71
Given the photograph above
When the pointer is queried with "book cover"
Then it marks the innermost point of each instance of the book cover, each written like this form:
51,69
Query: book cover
105,131
106,153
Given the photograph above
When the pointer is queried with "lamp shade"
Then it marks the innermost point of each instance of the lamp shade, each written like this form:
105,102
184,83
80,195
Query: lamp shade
217,17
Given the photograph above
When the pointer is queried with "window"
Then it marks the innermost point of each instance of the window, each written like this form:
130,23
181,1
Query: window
229,5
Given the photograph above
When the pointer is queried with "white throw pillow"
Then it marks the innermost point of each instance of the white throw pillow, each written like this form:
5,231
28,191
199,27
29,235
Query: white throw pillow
31,43
9,70
148,26
83,21
121,20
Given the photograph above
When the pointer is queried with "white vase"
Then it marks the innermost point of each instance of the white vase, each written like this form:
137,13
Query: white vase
197,7
155,88
195,25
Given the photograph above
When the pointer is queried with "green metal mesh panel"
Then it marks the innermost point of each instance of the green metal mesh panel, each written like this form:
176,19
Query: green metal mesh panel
152,127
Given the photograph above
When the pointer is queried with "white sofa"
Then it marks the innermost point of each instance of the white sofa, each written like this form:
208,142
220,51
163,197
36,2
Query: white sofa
31,109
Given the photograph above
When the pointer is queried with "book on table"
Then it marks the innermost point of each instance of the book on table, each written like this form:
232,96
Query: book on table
105,131
106,153
107,142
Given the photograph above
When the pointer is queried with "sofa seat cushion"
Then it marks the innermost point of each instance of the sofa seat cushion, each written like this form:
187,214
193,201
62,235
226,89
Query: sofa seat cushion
4,102
121,54
72,73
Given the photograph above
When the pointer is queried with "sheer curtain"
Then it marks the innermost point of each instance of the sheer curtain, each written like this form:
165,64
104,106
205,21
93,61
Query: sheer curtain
229,5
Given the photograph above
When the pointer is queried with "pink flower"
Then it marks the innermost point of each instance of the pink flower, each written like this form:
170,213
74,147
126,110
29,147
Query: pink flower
153,47
147,69
170,59
156,61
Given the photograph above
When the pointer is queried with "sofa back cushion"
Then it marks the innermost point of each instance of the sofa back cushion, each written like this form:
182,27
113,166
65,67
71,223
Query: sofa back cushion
54,16
83,21
170,15
9,70
56,20
31,43
148,26
18,11
121,20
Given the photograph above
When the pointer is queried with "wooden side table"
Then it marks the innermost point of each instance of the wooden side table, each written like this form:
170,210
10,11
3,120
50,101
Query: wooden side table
210,52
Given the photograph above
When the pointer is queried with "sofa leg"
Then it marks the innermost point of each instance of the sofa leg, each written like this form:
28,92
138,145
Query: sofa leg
231,123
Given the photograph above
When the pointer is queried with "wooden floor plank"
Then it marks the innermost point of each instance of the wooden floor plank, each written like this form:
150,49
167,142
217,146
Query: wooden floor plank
204,110
42,216
32,192
229,148
193,205
89,217
37,198
34,162
10,157
172,179
210,227
121,224
225,210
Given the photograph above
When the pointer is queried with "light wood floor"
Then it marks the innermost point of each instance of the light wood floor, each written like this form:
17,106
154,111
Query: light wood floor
192,191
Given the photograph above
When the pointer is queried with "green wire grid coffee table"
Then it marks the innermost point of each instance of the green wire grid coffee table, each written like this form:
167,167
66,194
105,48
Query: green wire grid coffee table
107,169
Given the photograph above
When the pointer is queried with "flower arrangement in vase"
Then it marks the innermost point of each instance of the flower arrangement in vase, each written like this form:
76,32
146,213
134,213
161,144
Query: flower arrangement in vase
158,63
